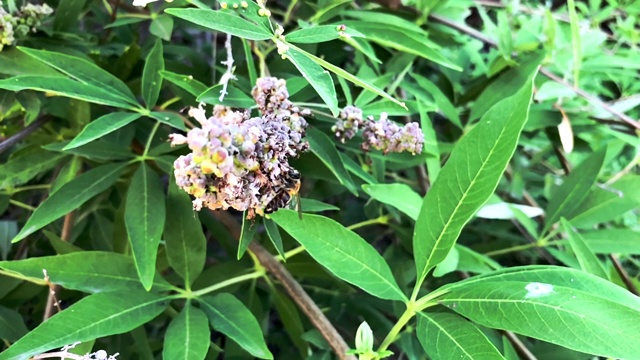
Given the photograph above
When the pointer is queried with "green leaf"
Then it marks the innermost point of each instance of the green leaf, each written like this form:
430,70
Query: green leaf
587,259
323,147
613,241
402,40
441,100
468,179
22,168
188,335
230,317
319,78
84,72
11,325
8,229
161,27
64,87
385,19
567,197
185,82
14,62
144,218
151,77
249,229
97,150
445,335
605,204
170,118
348,76
222,21
71,196
101,126
312,205
82,271
400,196
582,312
343,252
505,85
234,97
320,33
67,14
274,236
184,240
95,316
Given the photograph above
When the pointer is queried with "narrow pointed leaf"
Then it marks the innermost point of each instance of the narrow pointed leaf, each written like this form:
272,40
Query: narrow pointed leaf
320,33
102,126
222,21
581,312
151,76
188,336
71,196
93,317
185,242
185,82
274,235
400,196
229,316
67,88
248,231
566,198
446,335
343,252
11,325
83,71
144,218
588,260
322,146
468,179
348,76
22,168
319,78
83,271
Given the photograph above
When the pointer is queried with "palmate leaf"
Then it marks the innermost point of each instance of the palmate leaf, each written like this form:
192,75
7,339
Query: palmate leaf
469,178
342,251
562,306
95,316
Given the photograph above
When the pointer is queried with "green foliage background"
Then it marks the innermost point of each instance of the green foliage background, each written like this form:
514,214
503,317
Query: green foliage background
515,233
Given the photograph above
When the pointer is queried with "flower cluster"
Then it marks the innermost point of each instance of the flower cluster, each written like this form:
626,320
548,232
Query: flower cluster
241,162
15,26
382,134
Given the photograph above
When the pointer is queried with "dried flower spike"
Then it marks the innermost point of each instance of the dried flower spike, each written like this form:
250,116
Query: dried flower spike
241,162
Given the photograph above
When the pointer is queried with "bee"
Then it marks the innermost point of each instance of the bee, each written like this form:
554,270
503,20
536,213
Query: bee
287,193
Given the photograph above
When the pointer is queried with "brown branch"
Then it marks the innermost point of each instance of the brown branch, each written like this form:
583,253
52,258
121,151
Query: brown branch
293,288
9,142
623,275
53,305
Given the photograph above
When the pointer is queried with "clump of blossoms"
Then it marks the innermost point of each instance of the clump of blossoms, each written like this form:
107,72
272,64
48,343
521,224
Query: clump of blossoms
382,134
242,162
18,25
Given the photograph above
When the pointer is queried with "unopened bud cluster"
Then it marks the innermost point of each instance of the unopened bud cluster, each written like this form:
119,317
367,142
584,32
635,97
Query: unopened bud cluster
382,134
241,162
18,25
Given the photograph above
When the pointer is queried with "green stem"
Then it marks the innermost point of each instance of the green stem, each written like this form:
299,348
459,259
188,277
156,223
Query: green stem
408,314
26,188
379,220
150,139
22,205
228,282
